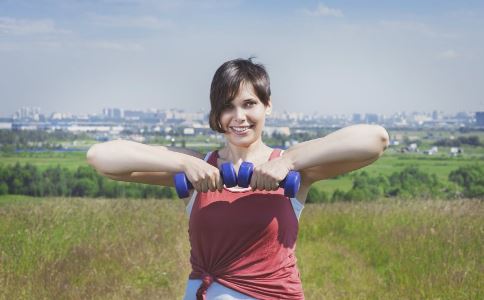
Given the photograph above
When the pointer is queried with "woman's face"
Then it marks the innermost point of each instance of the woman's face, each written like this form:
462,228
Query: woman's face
244,118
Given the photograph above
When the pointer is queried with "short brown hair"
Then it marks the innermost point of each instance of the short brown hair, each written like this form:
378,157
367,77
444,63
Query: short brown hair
226,83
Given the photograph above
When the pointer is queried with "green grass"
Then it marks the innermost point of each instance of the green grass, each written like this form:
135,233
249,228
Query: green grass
86,248
43,160
394,250
390,162
56,248
441,166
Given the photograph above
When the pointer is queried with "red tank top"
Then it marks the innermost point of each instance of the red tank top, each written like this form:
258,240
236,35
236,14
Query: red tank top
245,241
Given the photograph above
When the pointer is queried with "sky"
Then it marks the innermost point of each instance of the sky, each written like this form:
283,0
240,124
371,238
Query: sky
325,57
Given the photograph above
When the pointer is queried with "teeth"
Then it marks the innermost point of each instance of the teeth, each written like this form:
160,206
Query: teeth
240,129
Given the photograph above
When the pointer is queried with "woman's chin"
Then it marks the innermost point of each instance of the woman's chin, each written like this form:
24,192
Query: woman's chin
240,142
244,141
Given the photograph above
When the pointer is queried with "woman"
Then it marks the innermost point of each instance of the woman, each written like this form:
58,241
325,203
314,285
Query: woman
242,240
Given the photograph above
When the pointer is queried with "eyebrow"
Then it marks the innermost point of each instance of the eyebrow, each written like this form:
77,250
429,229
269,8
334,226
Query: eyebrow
248,100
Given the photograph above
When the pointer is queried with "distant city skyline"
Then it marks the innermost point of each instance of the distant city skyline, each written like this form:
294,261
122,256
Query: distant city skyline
327,57
275,111
157,120
207,109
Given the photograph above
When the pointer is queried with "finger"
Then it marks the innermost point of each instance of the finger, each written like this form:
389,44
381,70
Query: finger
253,181
220,184
204,186
268,183
263,183
207,185
260,182
275,187
196,186
212,184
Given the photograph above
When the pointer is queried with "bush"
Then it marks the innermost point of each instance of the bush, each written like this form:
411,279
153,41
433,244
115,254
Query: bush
3,188
412,183
472,140
471,179
317,196
409,183
85,187
366,188
338,195
84,182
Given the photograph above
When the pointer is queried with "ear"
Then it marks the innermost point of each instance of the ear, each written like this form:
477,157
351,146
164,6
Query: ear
269,107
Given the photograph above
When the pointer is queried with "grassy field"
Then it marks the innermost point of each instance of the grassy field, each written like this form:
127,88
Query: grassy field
43,160
390,162
53,248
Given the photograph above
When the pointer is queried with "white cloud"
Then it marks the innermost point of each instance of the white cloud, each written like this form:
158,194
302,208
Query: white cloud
448,55
13,26
324,11
141,22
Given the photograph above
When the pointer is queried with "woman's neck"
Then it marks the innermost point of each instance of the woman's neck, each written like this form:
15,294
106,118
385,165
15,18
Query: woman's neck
253,153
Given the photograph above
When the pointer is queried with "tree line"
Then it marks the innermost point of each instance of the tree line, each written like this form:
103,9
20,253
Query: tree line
472,140
84,182
409,183
12,140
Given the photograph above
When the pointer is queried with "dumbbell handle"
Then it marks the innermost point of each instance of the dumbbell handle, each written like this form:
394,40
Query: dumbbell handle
183,185
290,184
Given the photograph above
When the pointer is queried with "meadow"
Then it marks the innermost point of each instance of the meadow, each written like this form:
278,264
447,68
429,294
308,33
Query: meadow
70,248
390,162
43,160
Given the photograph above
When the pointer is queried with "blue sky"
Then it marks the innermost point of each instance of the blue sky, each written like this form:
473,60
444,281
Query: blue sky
323,56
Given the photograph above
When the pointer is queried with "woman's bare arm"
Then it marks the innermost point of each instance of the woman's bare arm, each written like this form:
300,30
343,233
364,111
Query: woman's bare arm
135,162
344,150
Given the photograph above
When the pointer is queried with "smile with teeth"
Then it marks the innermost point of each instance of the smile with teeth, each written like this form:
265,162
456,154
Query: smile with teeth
240,129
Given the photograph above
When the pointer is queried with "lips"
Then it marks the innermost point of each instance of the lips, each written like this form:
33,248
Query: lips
240,130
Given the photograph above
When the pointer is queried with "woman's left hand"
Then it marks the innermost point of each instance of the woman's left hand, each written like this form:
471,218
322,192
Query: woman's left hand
268,175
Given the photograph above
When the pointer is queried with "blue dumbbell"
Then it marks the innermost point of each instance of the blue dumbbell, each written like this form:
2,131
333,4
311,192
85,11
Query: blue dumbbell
183,186
290,184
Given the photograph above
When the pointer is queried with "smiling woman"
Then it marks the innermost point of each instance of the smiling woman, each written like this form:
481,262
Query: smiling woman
243,240
243,119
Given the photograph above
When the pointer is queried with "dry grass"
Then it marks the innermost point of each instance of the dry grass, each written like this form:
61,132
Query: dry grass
397,250
138,249
84,249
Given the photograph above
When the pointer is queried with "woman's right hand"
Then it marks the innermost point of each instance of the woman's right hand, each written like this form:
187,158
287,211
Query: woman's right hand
203,176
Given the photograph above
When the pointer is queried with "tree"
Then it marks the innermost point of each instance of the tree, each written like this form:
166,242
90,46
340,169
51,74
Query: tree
338,195
471,179
3,188
85,187
56,181
317,196
411,182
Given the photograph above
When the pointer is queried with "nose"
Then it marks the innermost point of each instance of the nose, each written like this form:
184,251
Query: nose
239,115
